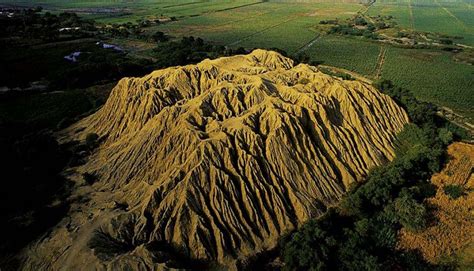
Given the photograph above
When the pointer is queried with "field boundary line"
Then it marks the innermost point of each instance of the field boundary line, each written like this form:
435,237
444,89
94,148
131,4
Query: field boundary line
236,7
224,9
183,4
452,15
216,26
380,62
247,18
308,45
412,18
368,6
262,30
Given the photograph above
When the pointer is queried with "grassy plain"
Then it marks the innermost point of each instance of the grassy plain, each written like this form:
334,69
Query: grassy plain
431,74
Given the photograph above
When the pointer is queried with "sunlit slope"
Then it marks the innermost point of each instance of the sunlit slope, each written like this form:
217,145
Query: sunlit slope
221,158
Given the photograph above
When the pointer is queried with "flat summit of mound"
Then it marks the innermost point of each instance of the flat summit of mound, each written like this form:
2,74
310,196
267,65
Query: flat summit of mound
217,160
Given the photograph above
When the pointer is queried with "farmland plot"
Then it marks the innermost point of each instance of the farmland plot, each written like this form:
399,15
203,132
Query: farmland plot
352,54
432,76
401,13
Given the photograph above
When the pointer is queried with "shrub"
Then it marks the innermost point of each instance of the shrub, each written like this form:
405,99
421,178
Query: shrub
411,214
454,191
446,41
360,21
401,34
445,136
159,36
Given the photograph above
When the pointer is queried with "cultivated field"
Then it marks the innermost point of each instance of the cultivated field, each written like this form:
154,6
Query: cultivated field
430,73
433,76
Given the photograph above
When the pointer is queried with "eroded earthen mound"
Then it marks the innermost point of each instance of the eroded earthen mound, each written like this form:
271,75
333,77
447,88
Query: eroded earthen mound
217,160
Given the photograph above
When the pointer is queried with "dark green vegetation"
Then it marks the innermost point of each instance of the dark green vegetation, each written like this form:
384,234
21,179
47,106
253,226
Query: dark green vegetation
46,65
33,47
454,191
361,233
360,26
32,24
189,50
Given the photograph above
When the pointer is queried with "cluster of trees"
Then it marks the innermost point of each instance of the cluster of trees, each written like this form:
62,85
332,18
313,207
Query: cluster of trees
189,50
360,26
99,65
135,30
124,30
454,191
361,233
383,22
347,29
159,36
31,23
129,29
447,41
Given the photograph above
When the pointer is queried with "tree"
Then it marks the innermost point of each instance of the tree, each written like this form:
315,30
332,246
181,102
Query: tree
454,191
159,36
360,21
445,136
411,214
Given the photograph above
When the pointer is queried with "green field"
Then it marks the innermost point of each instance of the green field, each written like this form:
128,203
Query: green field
447,17
349,53
432,75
